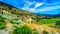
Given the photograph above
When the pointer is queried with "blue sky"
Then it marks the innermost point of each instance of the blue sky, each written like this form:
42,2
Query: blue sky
36,6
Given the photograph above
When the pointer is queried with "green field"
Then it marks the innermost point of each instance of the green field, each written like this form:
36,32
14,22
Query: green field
50,22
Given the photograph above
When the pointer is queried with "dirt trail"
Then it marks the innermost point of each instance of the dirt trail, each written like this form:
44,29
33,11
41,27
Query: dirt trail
9,26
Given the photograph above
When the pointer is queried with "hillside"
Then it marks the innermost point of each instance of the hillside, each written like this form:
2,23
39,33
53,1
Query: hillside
22,13
11,14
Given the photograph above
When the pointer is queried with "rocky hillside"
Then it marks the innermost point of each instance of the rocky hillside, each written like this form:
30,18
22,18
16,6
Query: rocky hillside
24,15
28,18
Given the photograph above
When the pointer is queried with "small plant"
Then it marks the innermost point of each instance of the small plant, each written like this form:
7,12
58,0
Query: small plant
22,30
2,19
16,21
53,32
35,31
58,22
2,22
45,32
17,30
2,26
57,25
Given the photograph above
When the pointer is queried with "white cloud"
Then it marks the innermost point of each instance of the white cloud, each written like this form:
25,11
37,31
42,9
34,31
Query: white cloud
27,5
49,8
45,9
38,4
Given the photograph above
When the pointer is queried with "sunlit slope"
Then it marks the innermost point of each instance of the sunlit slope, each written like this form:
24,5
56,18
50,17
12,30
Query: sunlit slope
12,12
42,27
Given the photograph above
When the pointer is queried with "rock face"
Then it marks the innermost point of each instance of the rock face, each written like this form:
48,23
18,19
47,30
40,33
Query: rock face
4,32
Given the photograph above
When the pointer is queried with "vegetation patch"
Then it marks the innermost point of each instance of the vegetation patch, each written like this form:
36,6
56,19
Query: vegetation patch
35,31
57,25
49,22
45,32
2,22
16,21
22,30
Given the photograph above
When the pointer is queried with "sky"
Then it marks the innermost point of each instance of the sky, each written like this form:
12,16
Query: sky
51,7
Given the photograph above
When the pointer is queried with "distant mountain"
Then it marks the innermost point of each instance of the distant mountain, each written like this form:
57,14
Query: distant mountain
57,15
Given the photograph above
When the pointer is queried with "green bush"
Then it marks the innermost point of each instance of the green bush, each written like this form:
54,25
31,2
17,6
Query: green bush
2,26
35,31
16,21
53,32
45,32
2,22
17,30
2,19
22,30
57,25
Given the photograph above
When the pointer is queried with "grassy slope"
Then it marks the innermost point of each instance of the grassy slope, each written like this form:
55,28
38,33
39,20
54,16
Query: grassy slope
42,27
50,22
24,14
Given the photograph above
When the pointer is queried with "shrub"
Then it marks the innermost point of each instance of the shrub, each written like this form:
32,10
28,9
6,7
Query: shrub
2,26
16,21
53,32
57,25
45,32
2,19
17,30
2,22
22,30
35,31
